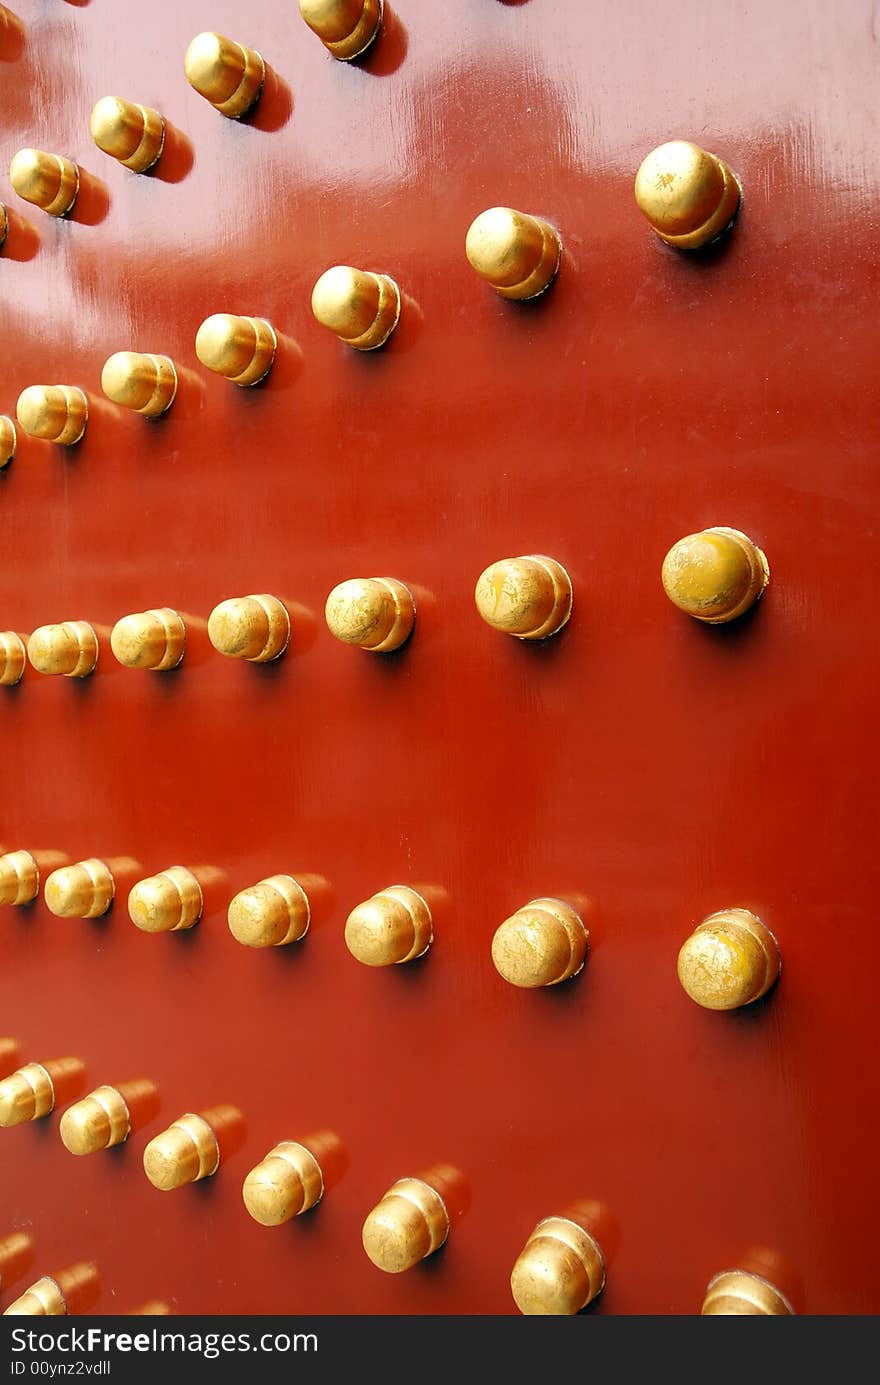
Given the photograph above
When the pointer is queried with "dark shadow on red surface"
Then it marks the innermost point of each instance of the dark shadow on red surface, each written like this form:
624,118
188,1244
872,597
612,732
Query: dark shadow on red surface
177,158
387,53
22,239
92,202
275,106
11,39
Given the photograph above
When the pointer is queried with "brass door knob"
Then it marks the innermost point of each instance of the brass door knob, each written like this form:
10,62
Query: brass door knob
133,135
527,597
16,1253
70,649
184,1153
256,628
543,943
394,926
103,1118
737,1293
516,253
54,1296
153,639
361,307
730,960
141,381
409,1223
375,613
689,196
12,658
53,413
81,891
287,1182
169,902
271,913
226,73
19,878
7,427
47,181
241,349
347,28
34,1090
715,575
560,1270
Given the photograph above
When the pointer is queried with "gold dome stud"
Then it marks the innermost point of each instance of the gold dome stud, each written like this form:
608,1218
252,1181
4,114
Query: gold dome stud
272,913
169,902
737,1293
543,943
286,1183
184,1153
516,253
7,427
559,1271
527,597
13,658
392,927
81,891
55,1296
409,1223
731,959
34,1090
226,73
19,878
132,134
374,613
241,349
361,307
53,413
140,381
16,1253
48,181
154,639
69,649
347,28
256,628
103,1118
688,195
715,575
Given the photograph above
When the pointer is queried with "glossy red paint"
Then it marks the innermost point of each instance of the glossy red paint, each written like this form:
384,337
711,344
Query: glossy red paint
658,768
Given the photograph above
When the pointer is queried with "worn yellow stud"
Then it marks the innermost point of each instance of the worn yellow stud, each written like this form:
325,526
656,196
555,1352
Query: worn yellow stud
13,658
375,613
731,959
527,597
69,649
169,902
361,307
286,1183
154,639
738,1293
543,943
184,1153
19,878
559,1271
53,413
241,349
35,1090
392,927
103,1118
132,134
55,1296
81,891
256,628
271,913
715,575
141,381
516,253
7,427
48,181
408,1224
226,73
688,195
346,28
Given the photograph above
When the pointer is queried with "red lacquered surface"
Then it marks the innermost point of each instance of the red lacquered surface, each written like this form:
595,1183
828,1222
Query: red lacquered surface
660,768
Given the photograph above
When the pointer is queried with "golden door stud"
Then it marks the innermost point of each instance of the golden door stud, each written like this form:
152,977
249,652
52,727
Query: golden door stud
375,613
256,628
132,134
226,73
688,195
283,1185
271,913
517,254
70,649
543,943
184,1153
34,1090
361,307
53,413
394,926
48,181
103,1118
346,28
729,960
13,657
527,597
19,878
7,427
559,1271
150,639
409,1223
56,1296
715,575
737,1293
169,902
241,349
141,381
81,891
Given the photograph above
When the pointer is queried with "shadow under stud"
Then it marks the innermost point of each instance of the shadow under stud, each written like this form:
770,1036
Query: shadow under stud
528,597
559,1271
543,943
225,73
361,307
347,28
374,613
170,902
272,913
47,181
689,196
69,649
150,639
516,253
53,413
715,575
391,928
731,959
256,628
133,135
140,381
241,349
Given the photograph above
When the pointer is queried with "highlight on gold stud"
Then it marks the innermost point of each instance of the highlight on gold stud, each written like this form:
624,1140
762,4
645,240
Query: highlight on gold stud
69,649
528,597
361,307
154,639
241,349
53,413
228,75
69,1291
347,28
286,1183
689,196
408,1224
19,878
516,253
374,613
392,927
184,1153
47,181
169,902
132,134
141,381
738,1293
106,1117
13,658
272,913
543,943
81,891
7,427
715,575
559,1271
256,628
33,1091
731,959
